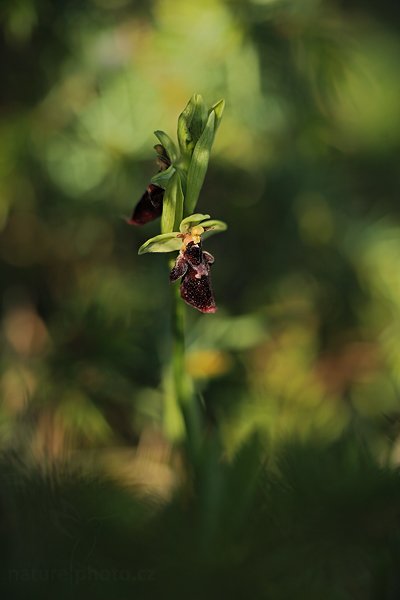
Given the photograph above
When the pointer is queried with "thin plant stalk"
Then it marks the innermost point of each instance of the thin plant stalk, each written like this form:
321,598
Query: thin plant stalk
182,386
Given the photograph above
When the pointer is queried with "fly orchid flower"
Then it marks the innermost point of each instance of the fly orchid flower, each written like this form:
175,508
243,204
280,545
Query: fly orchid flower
193,264
150,204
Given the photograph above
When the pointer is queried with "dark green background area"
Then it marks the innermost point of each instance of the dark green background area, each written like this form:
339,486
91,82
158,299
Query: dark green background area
294,493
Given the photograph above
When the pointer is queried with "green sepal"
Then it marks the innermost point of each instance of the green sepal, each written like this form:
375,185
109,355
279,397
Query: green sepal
199,163
165,242
172,205
212,226
189,221
191,123
168,144
162,177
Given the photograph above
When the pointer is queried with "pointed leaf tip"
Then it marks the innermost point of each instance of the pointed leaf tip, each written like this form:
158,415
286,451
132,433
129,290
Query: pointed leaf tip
218,109
213,226
199,163
168,144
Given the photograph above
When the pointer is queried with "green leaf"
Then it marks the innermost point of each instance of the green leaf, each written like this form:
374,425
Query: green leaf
168,144
162,178
199,163
213,226
191,123
179,202
184,121
183,177
172,205
165,242
218,108
192,219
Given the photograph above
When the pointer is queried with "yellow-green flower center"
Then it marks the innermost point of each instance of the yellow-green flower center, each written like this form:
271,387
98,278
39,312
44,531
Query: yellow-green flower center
193,235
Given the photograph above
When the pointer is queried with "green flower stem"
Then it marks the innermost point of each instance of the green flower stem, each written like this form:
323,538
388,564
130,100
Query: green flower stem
178,354
182,386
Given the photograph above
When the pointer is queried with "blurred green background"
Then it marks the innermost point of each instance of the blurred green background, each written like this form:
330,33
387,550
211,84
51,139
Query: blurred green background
301,360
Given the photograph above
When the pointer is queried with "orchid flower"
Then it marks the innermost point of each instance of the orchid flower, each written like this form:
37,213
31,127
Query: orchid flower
150,204
193,264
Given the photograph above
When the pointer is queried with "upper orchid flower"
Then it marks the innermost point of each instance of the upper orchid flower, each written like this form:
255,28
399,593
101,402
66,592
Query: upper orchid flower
150,204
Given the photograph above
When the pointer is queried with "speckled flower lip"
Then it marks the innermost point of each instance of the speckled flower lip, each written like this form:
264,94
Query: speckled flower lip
193,266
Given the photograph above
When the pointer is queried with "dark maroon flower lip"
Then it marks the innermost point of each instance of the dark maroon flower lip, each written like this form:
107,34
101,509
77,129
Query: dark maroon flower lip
150,204
193,266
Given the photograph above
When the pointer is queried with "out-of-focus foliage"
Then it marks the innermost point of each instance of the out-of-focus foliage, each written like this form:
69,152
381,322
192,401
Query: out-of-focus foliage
305,345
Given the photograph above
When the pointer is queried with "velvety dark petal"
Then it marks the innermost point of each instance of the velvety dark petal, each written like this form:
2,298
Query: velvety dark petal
198,292
196,259
156,194
194,254
149,206
179,269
